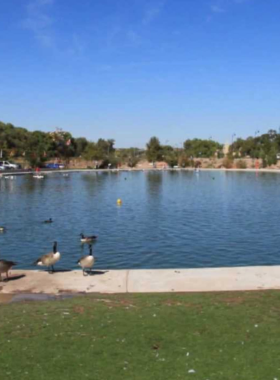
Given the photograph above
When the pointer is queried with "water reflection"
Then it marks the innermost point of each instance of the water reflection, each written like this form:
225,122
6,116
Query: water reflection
93,182
7,184
30,184
154,182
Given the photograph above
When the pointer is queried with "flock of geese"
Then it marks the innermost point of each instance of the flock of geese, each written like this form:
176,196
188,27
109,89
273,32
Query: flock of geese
50,259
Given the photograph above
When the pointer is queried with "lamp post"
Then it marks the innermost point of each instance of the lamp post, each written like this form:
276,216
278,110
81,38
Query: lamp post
254,158
232,141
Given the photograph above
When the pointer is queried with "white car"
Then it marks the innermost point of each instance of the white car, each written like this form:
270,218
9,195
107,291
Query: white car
8,165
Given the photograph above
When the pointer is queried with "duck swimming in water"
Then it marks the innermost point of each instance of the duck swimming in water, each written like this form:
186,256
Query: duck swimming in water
3,229
87,262
87,239
49,259
48,221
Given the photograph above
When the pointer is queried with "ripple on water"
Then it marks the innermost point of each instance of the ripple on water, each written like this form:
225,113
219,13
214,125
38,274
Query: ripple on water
167,220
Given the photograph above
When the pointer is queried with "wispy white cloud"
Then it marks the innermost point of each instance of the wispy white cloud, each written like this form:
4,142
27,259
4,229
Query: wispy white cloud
39,21
133,37
152,12
222,6
76,46
241,1
217,9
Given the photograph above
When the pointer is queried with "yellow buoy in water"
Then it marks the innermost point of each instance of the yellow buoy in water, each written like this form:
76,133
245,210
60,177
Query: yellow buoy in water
119,202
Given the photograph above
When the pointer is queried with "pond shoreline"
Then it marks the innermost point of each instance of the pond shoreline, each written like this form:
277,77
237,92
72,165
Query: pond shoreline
142,281
8,173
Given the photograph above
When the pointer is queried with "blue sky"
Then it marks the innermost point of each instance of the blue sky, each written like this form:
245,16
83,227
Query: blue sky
130,69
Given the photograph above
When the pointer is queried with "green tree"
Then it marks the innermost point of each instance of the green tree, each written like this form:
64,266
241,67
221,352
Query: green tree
154,150
80,144
171,158
201,148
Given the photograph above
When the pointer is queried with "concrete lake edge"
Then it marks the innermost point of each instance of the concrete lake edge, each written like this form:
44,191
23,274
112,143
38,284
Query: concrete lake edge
143,281
8,173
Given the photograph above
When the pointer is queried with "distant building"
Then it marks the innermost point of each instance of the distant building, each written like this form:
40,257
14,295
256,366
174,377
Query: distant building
226,149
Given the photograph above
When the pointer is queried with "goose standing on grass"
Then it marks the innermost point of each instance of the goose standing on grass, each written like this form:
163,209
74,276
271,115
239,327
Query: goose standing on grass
49,259
2,229
87,262
5,266
87,239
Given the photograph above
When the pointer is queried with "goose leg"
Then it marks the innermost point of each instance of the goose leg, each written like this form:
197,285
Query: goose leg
52,268
0,278
7,274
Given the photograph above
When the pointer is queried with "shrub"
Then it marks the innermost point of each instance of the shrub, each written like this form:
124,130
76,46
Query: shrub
241,164
184,161
228,163
132,162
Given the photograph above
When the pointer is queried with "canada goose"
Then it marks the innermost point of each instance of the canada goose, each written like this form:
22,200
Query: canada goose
48,221
5,266
87,262
2,229
87,239
49,259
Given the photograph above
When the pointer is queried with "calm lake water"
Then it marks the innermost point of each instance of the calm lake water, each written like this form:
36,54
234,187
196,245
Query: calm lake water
167,220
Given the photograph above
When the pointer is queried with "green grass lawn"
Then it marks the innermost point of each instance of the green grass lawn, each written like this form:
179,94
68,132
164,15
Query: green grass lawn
229,336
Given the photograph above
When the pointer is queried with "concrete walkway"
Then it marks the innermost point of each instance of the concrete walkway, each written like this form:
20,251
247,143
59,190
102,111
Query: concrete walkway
143,281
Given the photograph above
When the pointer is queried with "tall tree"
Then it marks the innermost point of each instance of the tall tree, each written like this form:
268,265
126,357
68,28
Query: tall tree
154,150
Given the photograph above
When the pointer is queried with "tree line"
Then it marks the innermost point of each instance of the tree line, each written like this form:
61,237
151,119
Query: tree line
38,147
265,147
195,148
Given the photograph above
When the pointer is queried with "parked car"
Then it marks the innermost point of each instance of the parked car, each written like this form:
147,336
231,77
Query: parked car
8,165
54,166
